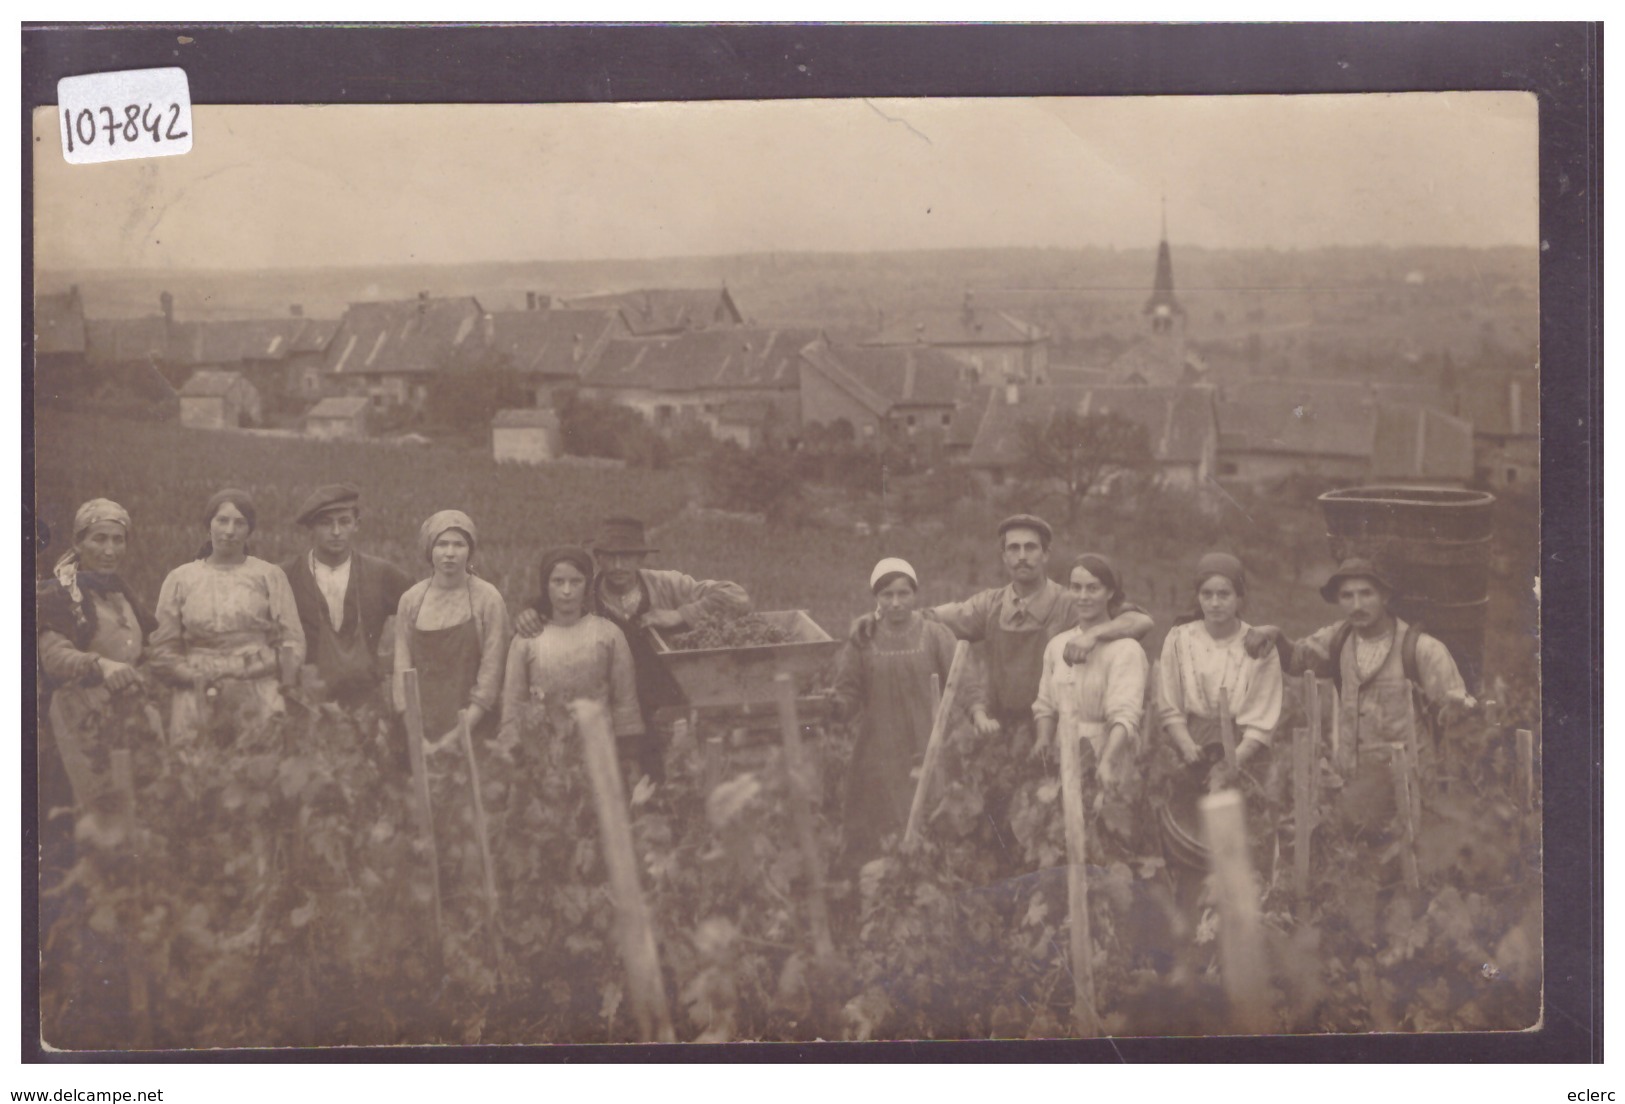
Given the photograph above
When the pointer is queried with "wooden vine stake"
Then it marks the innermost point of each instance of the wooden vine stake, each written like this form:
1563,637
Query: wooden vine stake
1227,728
1085,1012
933,746
1241,937
1305,785
1413,763
1400,764
120,767
784,695
420,784
634,930
483,831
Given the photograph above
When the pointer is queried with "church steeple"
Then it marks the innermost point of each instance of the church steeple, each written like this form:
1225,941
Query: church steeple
1163,307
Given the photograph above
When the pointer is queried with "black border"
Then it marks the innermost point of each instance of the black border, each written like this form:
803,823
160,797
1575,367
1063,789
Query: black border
1560,62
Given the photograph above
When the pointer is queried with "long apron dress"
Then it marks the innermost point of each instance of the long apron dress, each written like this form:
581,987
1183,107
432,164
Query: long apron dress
448,663
891,679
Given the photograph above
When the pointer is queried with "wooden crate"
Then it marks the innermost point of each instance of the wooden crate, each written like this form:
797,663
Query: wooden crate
741,676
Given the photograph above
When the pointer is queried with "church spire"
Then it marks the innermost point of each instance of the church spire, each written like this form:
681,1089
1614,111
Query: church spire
1163,306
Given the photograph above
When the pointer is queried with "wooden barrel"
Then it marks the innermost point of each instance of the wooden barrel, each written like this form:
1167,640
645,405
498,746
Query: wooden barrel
1434,545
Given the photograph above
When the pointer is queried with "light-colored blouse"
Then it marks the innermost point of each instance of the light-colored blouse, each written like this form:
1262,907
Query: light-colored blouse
566,663
219,620
1088,699
1197,672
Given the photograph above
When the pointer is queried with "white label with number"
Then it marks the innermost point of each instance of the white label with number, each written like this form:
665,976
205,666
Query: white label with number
117,116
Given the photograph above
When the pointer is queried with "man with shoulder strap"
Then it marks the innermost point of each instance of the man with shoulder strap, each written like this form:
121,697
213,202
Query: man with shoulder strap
343,596
1376,659
637,599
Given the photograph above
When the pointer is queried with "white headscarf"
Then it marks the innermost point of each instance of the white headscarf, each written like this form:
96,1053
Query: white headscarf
91,513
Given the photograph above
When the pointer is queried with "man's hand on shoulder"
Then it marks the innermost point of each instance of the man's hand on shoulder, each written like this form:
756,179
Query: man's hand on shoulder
1261,638
528,623
662,619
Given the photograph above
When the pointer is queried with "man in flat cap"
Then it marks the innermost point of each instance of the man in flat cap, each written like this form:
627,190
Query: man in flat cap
344,596
638,598
1014,623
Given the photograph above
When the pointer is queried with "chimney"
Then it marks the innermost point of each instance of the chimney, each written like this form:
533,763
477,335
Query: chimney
423,303
167,302
296,309
530,300
1012,394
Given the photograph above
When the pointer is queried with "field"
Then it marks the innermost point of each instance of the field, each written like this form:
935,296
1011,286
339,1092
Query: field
277,896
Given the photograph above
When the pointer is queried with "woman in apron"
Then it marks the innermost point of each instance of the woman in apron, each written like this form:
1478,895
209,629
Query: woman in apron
452,628
887,680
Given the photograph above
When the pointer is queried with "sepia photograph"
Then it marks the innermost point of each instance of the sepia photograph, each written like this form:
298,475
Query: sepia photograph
838,569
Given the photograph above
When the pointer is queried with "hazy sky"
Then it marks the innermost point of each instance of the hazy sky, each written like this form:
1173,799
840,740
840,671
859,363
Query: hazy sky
296,186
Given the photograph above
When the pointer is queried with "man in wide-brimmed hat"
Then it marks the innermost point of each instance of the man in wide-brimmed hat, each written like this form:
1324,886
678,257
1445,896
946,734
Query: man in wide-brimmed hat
1374,658
344,596
639,598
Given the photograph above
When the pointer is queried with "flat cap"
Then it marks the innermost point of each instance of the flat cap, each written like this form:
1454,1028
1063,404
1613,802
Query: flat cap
1028,521
329,496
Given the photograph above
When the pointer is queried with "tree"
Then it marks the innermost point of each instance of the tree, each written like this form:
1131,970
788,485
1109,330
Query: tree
468,398
758,480
1081,452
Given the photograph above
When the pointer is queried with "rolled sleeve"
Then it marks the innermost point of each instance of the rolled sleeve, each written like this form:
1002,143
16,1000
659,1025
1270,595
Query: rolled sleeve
695,599
1124,699
968,619
1314,652
1436,667
1259,710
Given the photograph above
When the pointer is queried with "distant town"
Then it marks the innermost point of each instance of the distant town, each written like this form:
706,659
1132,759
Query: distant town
957,379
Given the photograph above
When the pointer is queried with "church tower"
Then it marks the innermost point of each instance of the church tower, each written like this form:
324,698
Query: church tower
1163,307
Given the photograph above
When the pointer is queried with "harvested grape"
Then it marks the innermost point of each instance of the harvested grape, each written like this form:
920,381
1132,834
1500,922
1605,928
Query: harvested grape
750,631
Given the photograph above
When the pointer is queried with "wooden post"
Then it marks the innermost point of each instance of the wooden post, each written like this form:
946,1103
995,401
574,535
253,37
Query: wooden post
481,829
1241,939
1085,1012
1306,785
1413,761
784,693
1400,764
121,768
1337,731
1227,728
933,746
1303,810
1525,758
420,783
646,992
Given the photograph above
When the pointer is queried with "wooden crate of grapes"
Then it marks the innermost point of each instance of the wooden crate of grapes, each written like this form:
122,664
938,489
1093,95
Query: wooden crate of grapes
731,663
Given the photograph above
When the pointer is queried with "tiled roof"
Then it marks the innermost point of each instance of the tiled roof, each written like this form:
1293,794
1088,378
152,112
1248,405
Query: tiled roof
59,323
525,418
976,326
111,340
1178,419
239,340
407,336
1327,394
1161,359
1413,442
882,378
702,360
208,382
559,343
1486,401
649,311
339,407
1279,425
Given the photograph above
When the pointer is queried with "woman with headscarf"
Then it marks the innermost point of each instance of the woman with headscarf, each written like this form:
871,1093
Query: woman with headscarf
1102,699
885,680
92,635
1205,663
577,655
228,629
453,629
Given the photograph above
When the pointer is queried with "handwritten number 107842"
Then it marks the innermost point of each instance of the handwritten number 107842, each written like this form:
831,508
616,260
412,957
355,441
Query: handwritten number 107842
89,124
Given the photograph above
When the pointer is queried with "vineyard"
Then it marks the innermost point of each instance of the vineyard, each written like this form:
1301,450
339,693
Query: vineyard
272,887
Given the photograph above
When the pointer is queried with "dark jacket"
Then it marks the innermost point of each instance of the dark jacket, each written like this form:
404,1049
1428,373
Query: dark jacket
375,590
